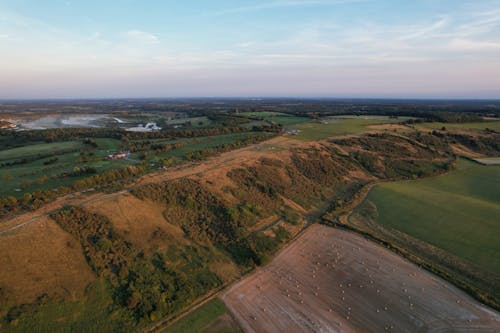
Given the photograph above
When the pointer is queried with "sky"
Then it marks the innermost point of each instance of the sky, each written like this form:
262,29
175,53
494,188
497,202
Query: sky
261,48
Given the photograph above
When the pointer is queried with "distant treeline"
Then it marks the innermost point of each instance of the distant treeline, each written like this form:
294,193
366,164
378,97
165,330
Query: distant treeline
420,115
10,138
34,200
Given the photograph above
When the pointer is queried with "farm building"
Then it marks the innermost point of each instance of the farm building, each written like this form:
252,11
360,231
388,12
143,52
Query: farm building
118,156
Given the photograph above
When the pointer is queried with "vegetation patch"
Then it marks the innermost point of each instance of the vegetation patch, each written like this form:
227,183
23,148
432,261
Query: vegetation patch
212,317
337,126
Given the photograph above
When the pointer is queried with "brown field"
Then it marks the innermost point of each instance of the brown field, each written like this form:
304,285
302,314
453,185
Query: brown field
330,280
138,224
42,259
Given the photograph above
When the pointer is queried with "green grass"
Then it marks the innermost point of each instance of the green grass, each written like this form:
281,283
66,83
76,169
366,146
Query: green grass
200,320
493,125
22,178
38,149
279,118
196,144
458,212
92,315
337,126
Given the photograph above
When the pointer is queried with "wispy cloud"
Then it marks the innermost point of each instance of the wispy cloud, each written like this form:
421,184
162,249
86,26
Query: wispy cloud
427,31
281,4
142,36
477,46
373,41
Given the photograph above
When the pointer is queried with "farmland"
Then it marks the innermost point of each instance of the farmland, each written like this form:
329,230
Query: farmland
44,166
342,125
457,212
331,280
94,242
278,117
49,165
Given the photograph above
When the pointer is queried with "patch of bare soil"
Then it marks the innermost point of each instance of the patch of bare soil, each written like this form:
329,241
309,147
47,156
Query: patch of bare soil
41,259
330,280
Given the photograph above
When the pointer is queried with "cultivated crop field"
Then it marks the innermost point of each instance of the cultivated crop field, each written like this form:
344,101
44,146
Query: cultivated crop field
330,280
457,212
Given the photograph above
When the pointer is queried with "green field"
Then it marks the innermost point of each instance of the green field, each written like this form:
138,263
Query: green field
458,212
205,319
342,125
92,315
277,117
493,125
39,149
37,174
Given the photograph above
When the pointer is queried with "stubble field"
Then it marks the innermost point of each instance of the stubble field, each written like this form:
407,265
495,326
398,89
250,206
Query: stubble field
331,280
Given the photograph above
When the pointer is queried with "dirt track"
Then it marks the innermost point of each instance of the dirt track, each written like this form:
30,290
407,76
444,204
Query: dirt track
330,280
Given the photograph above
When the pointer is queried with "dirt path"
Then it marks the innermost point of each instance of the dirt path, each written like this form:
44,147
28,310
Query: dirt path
330,280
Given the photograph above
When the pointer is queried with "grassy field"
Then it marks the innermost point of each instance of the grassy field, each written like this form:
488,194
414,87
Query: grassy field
196,144
47,163
493,125
336,126
38,173
279,118
457,212
206,319
93,315
38,149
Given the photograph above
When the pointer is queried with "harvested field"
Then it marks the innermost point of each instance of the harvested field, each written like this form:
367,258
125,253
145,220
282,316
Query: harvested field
330,280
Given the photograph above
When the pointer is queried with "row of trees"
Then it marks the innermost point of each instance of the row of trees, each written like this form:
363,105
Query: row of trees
36,199
19,138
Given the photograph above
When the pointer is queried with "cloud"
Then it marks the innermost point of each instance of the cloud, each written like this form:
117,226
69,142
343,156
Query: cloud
281,4
427,31
142,36
469,45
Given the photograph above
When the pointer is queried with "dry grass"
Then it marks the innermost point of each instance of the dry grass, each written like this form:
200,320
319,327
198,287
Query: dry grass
42,259
137,221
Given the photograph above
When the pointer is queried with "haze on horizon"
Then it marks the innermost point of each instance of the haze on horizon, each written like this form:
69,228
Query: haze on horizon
294,48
